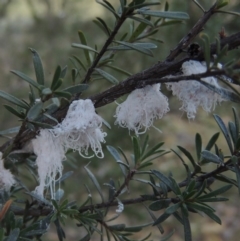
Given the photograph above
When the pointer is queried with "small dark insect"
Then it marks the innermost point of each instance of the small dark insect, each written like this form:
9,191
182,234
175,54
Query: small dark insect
193,50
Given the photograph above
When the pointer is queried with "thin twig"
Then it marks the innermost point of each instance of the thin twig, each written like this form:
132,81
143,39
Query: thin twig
115,92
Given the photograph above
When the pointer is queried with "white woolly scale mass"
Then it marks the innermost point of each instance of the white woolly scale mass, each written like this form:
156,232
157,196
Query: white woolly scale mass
50,155
120,207
81,129
192,93
78,131
6,177
141,108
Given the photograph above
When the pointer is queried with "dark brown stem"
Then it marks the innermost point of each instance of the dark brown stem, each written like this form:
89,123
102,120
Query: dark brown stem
126,87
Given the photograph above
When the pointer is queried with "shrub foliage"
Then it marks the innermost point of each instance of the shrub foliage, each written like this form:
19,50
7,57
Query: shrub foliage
56,120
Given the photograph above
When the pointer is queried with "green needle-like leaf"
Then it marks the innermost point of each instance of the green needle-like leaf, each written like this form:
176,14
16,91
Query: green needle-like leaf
63,94
197,167
107,76
122,71
214,217
188,155
76,89
133,46
166,181
187,227
102,25
161,14
56,78
84,42
64,177
160,228
224,131
46,91
137,149
138,4
206,50
35,111
38,67
117,227
234,159
225,93
217,192
136,47
212,141
173,208
27,79
221,3
14,111
162,218
108,8
79,62
152,151
198,143
113,151
63,72
209,156
225,179
84,47
41,124
144,23
10,131
13,99
236,119
95,182
159,204
214,199
233,132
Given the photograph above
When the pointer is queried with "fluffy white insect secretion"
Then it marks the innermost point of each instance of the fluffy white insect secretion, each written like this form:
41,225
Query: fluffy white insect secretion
50,155
141,107
120,207
194,94
81,128
6,177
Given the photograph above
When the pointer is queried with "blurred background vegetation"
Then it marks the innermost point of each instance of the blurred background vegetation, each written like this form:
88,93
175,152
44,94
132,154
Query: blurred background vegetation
50,27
